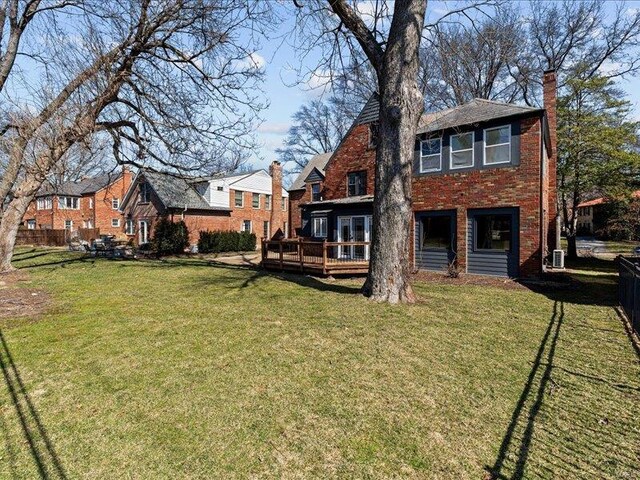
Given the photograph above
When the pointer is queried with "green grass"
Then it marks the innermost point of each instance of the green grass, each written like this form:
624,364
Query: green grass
183,369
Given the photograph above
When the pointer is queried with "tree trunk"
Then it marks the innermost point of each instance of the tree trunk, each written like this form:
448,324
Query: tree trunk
572,249
9,229
401,105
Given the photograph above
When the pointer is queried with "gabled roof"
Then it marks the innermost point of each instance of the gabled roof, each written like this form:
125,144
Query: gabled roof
172,191
82,187
318,162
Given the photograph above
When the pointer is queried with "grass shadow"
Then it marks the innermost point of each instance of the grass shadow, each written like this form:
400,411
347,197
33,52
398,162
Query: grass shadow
40,446
535,386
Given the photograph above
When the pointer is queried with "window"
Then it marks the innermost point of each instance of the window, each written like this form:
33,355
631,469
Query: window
130,227
115,222
315,192
266,231
374,135
493,232
431,155
267,202
284,203
45,203
356,184
90,202
436,232
255,200
69,203
145,193
461,150
143,232
31,224
220,189
497,145
319,227
68,224
87,224
286,230
239,198
246,226
115,203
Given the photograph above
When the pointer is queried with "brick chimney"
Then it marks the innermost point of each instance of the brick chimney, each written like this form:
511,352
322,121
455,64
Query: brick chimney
549,94
277,222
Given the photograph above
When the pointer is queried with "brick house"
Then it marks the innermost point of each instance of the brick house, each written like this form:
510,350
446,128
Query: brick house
483,189
89,203
254,202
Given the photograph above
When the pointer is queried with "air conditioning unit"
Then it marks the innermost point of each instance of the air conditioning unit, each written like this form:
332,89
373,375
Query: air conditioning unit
558,259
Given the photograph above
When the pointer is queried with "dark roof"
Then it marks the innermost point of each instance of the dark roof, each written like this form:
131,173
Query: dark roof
343,201
318,162
477,110
84,186
176,192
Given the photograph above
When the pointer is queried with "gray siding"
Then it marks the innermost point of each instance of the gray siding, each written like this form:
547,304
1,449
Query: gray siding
502,264
478,148
436,259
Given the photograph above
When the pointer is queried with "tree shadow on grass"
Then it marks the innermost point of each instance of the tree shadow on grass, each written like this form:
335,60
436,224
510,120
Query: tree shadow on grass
40,446
523,417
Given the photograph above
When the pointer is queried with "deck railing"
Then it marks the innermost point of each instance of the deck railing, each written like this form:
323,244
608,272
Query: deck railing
313,255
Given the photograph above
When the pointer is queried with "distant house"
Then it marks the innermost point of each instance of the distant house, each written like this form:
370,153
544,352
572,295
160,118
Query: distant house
483,188
253,202
89,203
592,215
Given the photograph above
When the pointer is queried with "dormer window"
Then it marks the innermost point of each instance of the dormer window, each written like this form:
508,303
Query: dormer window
357,183
374,134
315,192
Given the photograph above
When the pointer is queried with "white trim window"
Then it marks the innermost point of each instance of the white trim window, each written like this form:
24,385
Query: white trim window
69,203
130,228
497,145
239,198
267,202
284,204
68,224
90,203
45,203
461,151
431,155
319,227
255,200
31,224
115,203
246,226
145,193
115,222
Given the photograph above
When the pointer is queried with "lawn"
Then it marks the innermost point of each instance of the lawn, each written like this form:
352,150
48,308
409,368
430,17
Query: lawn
148,369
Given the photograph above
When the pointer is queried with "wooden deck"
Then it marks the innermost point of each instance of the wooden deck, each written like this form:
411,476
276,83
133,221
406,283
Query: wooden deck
318,258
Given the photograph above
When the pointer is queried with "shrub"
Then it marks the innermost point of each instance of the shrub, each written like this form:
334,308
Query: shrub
217,242
170,237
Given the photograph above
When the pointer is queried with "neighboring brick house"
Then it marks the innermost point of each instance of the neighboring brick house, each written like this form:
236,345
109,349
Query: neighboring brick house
483,189
89,203
241,202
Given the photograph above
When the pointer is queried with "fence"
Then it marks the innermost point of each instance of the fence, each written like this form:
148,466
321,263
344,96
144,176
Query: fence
54,237
629,290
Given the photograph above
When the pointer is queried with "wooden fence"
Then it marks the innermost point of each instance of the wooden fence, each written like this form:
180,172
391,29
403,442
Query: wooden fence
54,237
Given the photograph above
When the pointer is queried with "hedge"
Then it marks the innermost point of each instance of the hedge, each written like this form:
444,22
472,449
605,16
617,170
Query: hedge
170,237
219,241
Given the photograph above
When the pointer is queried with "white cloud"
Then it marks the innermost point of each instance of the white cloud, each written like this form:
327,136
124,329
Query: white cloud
254,60
319,81
632,12
609,67
274,128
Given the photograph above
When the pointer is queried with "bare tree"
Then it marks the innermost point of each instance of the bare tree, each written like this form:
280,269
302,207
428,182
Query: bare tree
318,127
169,83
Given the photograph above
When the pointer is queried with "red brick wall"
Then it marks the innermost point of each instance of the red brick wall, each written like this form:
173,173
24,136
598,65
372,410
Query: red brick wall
257,215
297,198
353,155
213,221
103,209
517,186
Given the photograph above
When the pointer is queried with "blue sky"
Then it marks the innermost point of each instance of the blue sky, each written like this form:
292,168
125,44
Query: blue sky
286,96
